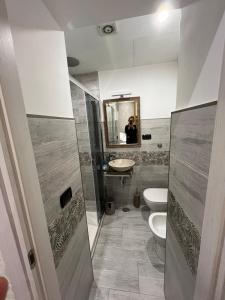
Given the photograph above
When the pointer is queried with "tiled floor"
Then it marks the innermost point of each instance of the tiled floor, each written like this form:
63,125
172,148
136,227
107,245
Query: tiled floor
125,263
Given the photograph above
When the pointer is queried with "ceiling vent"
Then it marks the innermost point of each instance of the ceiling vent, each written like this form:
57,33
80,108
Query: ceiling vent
107,29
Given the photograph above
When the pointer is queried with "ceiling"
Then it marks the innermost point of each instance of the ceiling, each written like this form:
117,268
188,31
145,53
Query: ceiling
138,41
78,13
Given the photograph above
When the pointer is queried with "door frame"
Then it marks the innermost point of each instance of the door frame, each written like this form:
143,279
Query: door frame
22,171
211,266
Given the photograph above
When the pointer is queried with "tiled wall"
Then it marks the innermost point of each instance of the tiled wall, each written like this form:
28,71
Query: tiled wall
191,142
57,160
90,81
151,169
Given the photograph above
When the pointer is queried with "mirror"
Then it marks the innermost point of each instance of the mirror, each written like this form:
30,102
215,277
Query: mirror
122,122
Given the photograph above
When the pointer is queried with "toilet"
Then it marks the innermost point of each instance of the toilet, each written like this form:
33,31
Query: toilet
157,224
156,198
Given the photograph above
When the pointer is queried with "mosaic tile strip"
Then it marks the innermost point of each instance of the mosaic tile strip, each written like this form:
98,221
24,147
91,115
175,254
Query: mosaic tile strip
186,233
143,157
62,228
85,158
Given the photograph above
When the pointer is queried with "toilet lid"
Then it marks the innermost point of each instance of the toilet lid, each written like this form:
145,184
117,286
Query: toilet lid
156,195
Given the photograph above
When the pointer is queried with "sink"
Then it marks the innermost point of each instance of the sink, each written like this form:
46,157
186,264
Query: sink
121,165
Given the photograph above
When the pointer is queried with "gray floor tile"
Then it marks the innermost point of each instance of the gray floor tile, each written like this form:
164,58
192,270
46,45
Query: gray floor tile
120,295
133,244
151,270
112,231
110,241
137,234
112,252
118,264
151,286
125,260
117,280
97,293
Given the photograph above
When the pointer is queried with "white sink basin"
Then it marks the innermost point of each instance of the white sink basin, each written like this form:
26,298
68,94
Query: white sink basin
121,165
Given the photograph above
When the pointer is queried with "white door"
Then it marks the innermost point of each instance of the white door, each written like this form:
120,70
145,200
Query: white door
10,261
29,226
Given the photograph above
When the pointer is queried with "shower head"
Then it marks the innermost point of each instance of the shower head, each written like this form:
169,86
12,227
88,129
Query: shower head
72,61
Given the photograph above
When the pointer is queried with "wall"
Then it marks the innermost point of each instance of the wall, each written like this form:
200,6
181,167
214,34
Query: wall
155,84
191,142
41,60
151,169
200,55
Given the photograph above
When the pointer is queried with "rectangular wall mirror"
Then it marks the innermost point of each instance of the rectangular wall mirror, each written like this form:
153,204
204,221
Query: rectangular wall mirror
122,122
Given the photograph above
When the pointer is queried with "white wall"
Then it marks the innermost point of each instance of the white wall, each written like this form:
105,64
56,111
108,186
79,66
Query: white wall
155,84
200,55
207,86
41,59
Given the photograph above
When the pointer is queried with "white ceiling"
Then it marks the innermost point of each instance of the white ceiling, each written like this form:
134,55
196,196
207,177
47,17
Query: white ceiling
139,41
77,13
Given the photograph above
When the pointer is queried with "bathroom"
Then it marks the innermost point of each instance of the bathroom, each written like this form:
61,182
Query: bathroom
95,214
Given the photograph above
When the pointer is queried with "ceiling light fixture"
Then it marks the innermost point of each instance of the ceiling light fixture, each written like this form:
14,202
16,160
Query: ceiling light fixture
163,12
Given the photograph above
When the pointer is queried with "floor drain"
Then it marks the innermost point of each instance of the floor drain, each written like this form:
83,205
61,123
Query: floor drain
125,209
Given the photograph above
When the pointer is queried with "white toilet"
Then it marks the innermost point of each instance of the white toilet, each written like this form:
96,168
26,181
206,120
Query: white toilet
157,224
156,198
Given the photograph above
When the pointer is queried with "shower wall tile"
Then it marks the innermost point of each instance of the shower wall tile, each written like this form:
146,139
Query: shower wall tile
57,161
78,103
90,81
191,142
83,137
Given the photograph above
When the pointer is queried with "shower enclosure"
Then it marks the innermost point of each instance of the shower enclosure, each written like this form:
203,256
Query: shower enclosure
86,111
95,135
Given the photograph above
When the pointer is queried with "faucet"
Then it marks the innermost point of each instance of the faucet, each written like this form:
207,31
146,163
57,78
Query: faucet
111,156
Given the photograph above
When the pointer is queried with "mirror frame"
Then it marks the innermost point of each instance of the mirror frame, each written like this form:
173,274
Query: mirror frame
105,102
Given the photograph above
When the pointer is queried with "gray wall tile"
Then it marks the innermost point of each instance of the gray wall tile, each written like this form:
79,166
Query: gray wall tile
191,142
57,160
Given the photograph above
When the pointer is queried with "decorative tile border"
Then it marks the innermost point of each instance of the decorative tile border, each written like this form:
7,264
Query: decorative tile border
143,157
186,233
62,228
85,158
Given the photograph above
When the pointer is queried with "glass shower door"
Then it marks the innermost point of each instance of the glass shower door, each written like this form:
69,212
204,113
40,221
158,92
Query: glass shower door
95,132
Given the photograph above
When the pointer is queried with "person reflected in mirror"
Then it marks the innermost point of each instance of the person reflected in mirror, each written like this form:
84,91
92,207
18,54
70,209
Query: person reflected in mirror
131,131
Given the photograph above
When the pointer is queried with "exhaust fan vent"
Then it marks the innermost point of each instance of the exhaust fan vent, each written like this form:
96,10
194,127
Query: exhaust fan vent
107,29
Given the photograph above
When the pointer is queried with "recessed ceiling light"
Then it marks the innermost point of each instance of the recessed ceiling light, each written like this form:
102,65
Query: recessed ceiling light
163,12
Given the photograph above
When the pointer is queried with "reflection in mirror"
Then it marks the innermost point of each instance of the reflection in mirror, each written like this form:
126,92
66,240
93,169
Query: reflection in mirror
122,122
